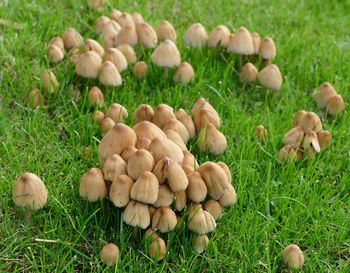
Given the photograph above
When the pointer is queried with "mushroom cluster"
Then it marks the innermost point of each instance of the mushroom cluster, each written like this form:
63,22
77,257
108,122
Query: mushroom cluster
328,99
306,138
150,174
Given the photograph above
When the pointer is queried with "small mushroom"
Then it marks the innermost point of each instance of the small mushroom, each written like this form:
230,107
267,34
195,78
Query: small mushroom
335,105
92,185
55,54
140,70
197,190
261,133
175,175
127,35
128,52
163,113
323,93
137,17
200,221
111,29
93,45
115,14
219,36
166,55
226,170
100,23
214,208
106,125
241,44
190,160
125,19
119,193
88,65
165,30
95,96
148,130
249,74
183,73
49,81
145,189
187,121
72,39
110,254
176,138
139,162
109,75
137,214
128,152
117,112
143,143
165,197
157,249
178,127
294,137
256,42
147,36
113,167
35,98
324,139
229,197
212,140
267,50
287,153
57,41
164,220
117,58
270,77
196,36
200,242
143,112
163,147
293,256
180,200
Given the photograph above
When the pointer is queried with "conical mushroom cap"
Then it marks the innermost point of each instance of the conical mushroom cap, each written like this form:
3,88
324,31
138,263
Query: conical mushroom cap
143,143
200,242
57,41
119,193
96,96
127,35
140,70
128,52
88,65
310,122
109,74
111,29
187,121
140,162
163,147
166,54
294,137
229,197
55,54
128,152
180,200
215,179
117,58
200,221
297,117
256,42
323,93
176,176
205,116
29,191
260,133
93,186
267,49
35,98
72,39
157,249
106,125
196,36
176,138
335,105
49,81
190,160
165,197
202,103
93,45
115,14
100,23
287,153
117,112
178,127
164,220
249,73
146,188
115,141
160,170
219,36
148,130
137,214
98,116
162,115
97,4
293,256
324,139
214,208
212,140
270,77
114,167
143,112
125,19
165,30
242,42
197,190
311,141
183,73
110,254
137,18
147,36
226,170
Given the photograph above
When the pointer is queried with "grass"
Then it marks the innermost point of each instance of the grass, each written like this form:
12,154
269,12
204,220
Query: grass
306,203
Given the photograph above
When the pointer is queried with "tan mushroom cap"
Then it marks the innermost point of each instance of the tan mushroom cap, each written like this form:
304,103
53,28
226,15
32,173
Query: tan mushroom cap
190,160
115,13
88,64
129,53
164,147
180,200
35,98
137,17
214,208
119,193
335,105
113,167
310,122
229,197
93,45
226,170
163,113
93,186
242,42
200,242
310,141
293,256
29,191
139,162
49,81
270,77
111,28
165,30
143,143
140,70
100,23
294,137
202,103
249,73
267,49
117,58
196,36
183,73
148,130
125,19
219,36
95,96
176,138
261,133
200,221
178,127
324,139
106,125
137,214
127,35
55,54
145,189
128,152
157,249
175,175
109,74
205,116
147,36
117,112
287,153
71,39
164,220
57,41
187,121
166,54
165,197
256,42
143,112
323,93
212,140
197,190
110,254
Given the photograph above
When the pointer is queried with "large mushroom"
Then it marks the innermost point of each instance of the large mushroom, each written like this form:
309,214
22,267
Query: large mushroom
166,55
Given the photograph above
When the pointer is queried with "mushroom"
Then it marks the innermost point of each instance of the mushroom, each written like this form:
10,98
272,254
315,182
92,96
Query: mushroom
212,140
128,152
176,138
148,130
200,221
115,14
287,153
57,41
195,36
35,98
143,112
164,219
267,50
241,44
71,39
180,200
110,254
249,74
335,105
165,197
323,93
88,65
183,73
117,58
125,19
219,36
197,190
256,42
260,133
215,179
190,160
117,112
311,141
294,137
137,18
147,36
113,167
93,45
163,114
205,116
310,122
145,189
226,170
137,214
139,162
100,23
157,249
214,208
324,139
49,81
95,96
229,197
106,125
163,147
178,127
55,54
187,121
143,143
151,234
200,104
127,35
166,55
115,141
92,185
111,29
175,175
119,193
270,77
140,70
200,242
165,30
29,192
293,256
128,52
109,74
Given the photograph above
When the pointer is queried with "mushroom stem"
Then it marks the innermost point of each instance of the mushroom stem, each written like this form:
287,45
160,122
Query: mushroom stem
166,72
26,215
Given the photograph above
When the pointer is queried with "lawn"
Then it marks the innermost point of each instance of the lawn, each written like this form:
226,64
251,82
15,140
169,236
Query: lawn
306,203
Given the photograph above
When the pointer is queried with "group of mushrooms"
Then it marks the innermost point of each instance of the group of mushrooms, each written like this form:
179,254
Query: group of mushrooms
149,173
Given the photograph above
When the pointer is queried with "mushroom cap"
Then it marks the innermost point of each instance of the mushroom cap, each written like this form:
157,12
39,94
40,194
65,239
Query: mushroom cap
190,160
117,112
93,45
127,35
110,254
128,152
115,141
96,4
196,36
100,23
226,170
111,28
267,49
260,133
242,42
137,17
57,41
109,74
140,70
95,96
115,14
125,19
294,137
200,221
206,116
197,190
29,191
297,117
72,39
176,138
270,77
164,147
165,30
106,125
166,54
187,121
335,105
151,234
324,139
49,81
157,249
139,162
310,141
35,98
180,200
323,93
128,52
163,114
219,36
117,58
310,122
178,127
164,220
55,54
146,188
137,214
229,197
88,64
175,175
183,73
256,42
93,186
215,179
202,103
143,112
147,36
148,130
165,197
287,153
119,193
143,143
293,256
113,167
214,208
249,73
212,140
200,242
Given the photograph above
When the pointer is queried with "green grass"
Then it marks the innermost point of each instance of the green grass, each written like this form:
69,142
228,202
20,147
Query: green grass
306,203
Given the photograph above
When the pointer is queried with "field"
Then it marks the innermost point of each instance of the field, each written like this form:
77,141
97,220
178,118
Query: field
306,203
